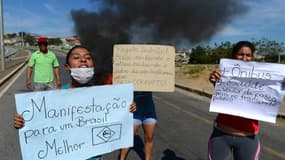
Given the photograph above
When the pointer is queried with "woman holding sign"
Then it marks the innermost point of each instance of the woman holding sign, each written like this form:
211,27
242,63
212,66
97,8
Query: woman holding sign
79,63
232,134
144,116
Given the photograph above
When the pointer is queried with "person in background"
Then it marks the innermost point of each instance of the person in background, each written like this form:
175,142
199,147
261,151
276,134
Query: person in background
45,66
79,63
144,116
232,134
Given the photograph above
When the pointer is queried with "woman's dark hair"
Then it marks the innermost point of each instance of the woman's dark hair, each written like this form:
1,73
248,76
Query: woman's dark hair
241,44
70,51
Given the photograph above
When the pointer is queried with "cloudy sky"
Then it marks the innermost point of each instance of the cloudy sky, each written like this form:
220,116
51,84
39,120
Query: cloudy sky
264,18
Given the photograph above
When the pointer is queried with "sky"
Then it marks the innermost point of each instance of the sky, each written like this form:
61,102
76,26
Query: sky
264,19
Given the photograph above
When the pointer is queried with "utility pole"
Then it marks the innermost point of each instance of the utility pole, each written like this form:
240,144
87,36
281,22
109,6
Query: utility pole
22,39
2,38
22,35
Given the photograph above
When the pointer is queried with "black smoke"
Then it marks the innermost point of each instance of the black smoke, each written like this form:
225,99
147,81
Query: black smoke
151,21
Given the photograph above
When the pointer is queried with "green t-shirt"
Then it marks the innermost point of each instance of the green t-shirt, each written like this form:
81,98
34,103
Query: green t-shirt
43,65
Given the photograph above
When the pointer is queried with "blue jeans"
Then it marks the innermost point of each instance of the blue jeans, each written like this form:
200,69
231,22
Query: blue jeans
44,86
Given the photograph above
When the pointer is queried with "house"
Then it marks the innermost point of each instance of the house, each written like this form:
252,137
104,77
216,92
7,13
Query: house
183,56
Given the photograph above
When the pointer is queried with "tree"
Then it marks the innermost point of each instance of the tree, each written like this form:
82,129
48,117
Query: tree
55,41
198,55
221,51
211,55
22,34
269,49
11,35
30,39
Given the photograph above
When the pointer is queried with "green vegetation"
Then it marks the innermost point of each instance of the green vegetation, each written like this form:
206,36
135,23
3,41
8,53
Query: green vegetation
178,64
211,55
31,40
194,71
12,35
266,51
55,41
270,50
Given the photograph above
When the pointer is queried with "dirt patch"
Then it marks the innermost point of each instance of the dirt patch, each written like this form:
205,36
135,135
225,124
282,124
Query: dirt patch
196,76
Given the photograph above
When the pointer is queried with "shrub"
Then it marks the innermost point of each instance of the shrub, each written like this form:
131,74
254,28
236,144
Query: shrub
194,70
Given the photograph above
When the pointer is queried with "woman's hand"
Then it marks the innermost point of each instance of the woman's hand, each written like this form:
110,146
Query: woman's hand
133,107
19,121
214,76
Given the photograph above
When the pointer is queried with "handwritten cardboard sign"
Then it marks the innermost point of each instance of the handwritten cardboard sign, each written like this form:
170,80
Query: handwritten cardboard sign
249,89
149,67
76,123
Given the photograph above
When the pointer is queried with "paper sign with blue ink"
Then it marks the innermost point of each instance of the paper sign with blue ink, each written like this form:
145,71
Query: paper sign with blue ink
75,123
249,89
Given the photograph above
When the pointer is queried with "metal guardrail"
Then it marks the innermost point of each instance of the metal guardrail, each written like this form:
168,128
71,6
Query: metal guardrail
8,76
9,52
19,66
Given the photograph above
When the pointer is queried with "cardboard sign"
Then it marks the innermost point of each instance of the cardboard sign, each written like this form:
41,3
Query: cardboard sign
148,67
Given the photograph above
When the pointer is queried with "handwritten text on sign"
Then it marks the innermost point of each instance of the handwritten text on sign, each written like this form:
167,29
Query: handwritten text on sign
75,123
149,67
249,89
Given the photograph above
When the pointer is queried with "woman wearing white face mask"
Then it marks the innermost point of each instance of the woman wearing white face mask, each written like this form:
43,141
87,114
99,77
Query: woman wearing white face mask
79,62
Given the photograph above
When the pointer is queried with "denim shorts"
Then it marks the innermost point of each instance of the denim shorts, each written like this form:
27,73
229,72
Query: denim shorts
144,120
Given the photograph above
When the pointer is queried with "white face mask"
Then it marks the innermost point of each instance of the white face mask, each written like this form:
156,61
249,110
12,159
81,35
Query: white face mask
82,75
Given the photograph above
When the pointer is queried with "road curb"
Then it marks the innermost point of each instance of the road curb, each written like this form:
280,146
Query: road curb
202,93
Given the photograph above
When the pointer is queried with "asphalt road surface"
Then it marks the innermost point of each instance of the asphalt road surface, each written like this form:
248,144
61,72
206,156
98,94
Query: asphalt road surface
184,126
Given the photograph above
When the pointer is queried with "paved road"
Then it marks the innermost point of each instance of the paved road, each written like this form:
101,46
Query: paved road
184,125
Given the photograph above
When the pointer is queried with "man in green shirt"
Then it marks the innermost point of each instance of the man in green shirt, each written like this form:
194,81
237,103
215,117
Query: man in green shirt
45,65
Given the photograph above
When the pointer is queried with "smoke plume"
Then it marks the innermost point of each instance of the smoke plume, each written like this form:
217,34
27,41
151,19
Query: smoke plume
151,21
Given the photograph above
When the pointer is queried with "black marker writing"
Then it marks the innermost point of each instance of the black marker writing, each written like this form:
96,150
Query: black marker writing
38,132
57,149
72,111
238,72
